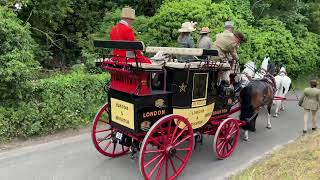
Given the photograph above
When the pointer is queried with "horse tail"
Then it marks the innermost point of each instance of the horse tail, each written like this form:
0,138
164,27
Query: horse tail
245,102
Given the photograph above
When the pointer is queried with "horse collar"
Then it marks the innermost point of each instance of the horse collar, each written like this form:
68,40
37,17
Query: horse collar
270,80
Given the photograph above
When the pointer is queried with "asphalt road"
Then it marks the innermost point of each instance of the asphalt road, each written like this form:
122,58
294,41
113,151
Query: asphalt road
75,158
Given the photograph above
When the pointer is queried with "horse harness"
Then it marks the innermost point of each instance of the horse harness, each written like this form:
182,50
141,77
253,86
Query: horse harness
268,78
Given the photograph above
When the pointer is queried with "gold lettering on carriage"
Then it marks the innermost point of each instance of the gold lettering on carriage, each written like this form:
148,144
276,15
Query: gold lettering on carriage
221,111
121,106
197,116
122,112
153,113
122,119
197,111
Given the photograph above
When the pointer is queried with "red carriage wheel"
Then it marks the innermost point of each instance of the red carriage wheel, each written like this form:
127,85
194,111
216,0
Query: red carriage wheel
167,148
226,138
103,135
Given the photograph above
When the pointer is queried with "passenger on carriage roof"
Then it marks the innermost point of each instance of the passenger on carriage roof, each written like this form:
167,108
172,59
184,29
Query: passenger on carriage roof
123,31
205,42
227,44
185,39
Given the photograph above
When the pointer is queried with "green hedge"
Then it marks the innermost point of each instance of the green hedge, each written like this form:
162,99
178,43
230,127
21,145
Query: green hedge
60,102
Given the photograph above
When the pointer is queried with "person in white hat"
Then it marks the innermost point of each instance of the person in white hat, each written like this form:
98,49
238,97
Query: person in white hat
124,32
185,39
229,26
205,42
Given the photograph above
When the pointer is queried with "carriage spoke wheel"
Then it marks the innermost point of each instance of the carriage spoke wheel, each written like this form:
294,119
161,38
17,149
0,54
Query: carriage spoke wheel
226,138
167,148
103,135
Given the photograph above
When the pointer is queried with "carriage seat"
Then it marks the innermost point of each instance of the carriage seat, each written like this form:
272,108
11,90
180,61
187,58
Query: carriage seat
188,65
224,66
146,66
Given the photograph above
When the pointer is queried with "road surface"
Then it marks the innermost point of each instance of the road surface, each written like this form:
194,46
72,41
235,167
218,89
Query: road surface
75,158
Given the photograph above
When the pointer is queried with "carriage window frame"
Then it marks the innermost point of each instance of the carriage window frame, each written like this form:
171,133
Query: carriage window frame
206,93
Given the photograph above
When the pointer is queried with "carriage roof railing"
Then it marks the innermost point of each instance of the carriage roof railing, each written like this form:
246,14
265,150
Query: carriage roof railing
139,45
125,45
157,65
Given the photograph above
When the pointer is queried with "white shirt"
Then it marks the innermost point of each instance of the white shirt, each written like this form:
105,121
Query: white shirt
124,22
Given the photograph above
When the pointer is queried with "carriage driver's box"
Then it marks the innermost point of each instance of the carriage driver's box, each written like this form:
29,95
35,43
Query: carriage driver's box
136,114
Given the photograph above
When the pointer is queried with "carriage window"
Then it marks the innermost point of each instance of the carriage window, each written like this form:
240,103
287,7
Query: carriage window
200,86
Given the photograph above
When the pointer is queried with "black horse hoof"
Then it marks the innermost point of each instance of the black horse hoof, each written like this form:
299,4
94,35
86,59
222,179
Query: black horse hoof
269,127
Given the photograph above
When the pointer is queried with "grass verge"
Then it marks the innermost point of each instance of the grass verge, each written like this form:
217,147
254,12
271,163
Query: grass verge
297,161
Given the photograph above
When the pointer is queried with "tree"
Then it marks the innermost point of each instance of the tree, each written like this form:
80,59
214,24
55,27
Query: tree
299,15
142,7
17,63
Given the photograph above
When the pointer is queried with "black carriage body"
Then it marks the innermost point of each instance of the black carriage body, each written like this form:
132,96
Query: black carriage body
223,101
136,114
192,87
198,87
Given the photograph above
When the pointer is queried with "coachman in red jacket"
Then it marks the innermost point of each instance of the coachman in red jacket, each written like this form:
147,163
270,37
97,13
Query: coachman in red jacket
123,31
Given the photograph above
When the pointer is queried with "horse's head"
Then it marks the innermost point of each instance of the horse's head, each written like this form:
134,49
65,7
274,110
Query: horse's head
265,62
282,71
271,69
249,69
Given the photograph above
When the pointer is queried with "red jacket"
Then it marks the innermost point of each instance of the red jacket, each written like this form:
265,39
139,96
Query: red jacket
125,33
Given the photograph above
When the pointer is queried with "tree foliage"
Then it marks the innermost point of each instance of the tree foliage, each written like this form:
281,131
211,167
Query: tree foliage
266,35
17,62
297,14
61,26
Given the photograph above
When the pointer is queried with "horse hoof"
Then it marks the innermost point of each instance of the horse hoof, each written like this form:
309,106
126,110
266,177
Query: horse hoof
246,139
269,127
275,115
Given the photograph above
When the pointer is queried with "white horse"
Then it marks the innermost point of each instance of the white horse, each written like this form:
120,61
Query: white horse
263,69
283,83
249,72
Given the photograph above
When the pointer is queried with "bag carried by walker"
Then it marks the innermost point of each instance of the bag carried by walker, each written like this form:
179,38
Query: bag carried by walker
301,101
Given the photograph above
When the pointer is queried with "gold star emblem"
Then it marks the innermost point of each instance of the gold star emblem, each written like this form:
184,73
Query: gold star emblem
183,87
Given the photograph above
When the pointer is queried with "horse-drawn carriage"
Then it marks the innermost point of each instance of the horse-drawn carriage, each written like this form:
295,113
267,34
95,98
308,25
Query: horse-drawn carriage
162,110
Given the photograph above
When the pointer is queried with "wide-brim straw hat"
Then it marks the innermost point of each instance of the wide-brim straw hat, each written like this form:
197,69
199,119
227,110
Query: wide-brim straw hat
205,30
187,27
128,13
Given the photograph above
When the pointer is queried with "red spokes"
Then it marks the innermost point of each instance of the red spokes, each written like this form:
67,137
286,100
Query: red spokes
166,150
152,160
103,135
226,138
